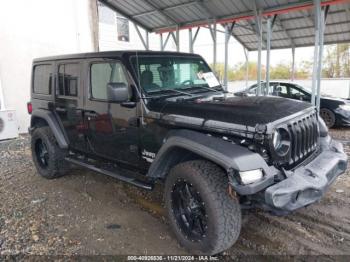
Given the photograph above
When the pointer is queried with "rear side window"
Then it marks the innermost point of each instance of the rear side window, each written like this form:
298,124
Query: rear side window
42,81
103,73
68,78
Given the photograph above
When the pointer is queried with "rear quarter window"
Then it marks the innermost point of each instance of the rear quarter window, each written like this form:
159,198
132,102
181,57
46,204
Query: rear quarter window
42,79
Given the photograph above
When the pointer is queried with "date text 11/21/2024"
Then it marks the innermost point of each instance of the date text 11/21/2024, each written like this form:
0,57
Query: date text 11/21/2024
172,258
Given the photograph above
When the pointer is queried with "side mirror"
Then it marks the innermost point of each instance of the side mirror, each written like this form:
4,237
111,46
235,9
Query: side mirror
117,92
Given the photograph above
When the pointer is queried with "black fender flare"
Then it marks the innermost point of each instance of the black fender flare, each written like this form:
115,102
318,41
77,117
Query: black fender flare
227,155
53,123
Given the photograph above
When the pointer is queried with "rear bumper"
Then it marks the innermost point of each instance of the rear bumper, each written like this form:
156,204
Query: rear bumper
308,183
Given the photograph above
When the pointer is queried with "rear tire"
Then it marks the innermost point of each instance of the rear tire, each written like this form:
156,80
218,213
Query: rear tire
48,157
328,116
214,215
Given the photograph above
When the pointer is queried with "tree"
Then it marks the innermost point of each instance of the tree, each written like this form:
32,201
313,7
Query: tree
336,62
304,70
281,71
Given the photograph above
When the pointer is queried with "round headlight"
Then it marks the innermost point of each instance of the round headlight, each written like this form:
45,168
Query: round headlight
276,139
281,141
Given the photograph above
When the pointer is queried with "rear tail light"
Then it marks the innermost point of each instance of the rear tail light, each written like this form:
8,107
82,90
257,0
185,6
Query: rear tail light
29,107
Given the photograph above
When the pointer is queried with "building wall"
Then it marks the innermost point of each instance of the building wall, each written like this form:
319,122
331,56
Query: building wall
108,34
36,28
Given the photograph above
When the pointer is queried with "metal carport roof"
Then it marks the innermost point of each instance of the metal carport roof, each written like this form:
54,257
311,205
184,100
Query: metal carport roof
293,20
294,23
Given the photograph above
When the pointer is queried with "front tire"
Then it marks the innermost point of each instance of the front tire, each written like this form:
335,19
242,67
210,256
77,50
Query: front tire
48,157
328,116
205,219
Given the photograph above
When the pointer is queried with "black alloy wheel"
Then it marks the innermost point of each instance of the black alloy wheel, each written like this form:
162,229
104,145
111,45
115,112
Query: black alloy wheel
42,154
189,210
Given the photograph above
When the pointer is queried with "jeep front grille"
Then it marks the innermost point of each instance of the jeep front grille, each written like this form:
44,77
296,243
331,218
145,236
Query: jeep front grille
304,138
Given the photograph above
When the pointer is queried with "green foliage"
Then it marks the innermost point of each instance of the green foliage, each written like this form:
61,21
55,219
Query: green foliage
238,72
281,71
304,70
336,62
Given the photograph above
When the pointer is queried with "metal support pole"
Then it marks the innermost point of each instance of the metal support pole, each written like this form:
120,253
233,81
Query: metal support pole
177,39
145,42
190,40
314,71
227,39
195,35
259,20
268,47
94,15
246,53
212,29
320,54
161,42
166,41
293,64
215,45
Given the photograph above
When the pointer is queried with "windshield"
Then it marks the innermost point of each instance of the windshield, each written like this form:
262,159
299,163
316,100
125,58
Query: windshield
159,74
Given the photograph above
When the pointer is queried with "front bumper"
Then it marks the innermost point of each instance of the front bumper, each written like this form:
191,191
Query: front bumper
342,117
308,183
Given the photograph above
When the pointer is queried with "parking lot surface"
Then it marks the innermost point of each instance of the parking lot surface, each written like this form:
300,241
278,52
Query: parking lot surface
87,213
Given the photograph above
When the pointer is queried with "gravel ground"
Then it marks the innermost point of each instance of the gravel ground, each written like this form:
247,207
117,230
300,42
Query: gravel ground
85,213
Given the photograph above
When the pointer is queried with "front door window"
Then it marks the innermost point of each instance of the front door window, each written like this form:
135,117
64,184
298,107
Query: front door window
104,73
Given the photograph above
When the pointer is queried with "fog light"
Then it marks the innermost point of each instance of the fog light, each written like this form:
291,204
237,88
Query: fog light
251,176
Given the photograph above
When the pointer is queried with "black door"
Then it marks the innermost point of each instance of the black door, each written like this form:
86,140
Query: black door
69,103
113,128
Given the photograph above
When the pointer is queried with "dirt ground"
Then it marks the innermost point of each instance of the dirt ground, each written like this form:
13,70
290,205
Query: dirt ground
85,213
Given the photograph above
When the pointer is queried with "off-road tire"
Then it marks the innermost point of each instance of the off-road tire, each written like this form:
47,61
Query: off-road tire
328,116
223,211
56,164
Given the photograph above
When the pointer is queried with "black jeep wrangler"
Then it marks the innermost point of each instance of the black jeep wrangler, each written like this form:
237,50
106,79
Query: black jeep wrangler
147,117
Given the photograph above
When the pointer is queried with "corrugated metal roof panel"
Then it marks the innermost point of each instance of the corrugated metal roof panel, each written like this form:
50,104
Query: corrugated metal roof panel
291,27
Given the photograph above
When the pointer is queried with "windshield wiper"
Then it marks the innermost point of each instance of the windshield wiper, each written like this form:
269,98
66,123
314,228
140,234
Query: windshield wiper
207,88
173,90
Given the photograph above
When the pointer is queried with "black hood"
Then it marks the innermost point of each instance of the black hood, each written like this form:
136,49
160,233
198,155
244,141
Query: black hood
247,111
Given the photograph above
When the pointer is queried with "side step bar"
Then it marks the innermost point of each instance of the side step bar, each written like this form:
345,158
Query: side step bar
130,180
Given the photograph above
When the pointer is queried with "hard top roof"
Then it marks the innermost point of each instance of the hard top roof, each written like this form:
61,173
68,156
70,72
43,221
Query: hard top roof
110,54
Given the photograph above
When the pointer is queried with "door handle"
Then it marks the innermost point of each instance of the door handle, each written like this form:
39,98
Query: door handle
90,114
61,109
